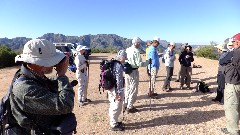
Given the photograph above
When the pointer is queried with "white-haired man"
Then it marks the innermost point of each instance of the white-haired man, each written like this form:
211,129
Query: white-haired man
36,100
155,64
132,79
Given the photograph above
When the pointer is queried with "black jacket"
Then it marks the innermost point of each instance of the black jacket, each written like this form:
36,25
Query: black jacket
186,61
232,69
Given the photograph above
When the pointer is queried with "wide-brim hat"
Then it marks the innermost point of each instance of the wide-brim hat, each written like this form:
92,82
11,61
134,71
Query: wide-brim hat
40,52
81,47
221,46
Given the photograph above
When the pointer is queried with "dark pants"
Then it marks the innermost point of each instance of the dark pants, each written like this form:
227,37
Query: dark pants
168,77
221,86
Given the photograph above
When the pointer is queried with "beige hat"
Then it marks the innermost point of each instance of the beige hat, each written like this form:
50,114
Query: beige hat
221,46
40,52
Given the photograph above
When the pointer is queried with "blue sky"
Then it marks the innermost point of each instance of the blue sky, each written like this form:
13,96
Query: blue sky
192,21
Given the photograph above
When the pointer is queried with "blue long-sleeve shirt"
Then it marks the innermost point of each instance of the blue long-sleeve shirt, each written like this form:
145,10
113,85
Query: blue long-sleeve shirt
153,54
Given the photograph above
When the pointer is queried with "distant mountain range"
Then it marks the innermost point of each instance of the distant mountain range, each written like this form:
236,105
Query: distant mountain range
92,41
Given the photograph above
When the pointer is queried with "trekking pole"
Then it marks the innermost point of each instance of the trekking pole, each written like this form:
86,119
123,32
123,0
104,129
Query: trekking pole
150,82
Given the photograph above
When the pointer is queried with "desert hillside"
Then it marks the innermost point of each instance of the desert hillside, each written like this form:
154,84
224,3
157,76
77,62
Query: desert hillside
177,112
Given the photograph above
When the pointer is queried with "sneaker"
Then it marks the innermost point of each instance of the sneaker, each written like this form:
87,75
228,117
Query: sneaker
177,80
81,103
225,131
181,87
87,100
132,110
118,127
189,88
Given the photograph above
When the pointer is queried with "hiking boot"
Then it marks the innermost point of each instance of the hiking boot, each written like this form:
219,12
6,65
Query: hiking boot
81,103
87,100
118,127
225,131
177,80
132,110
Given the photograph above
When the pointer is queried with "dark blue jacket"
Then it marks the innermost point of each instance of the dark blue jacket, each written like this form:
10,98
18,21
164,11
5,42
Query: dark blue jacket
186,61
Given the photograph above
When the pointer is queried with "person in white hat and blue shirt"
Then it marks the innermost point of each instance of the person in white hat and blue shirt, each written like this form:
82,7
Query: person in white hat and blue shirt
169,57
45,99
155,65
81,75
132,79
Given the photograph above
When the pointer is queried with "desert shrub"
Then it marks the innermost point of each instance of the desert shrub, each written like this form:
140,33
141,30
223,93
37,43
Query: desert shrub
7,57
207,52
104,50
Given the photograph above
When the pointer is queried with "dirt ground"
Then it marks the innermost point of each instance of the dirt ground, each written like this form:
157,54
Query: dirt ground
180,112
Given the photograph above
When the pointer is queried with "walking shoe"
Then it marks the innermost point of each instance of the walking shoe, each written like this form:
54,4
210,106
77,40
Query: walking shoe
132,110
87,100
118,127
225,131
81,103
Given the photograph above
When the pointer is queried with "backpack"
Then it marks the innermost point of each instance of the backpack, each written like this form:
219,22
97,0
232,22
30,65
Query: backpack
127,68
107,77
203,87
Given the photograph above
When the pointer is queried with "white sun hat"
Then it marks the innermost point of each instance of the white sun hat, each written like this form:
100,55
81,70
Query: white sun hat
81,47
221,46
40,52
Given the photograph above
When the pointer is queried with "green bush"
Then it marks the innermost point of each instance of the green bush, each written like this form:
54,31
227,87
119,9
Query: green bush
207,52
7,57
104,50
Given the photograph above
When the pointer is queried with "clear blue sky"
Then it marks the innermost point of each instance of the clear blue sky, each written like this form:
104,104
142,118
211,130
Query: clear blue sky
192,21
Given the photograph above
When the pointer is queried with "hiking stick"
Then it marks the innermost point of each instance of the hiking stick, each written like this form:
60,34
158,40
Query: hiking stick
150,82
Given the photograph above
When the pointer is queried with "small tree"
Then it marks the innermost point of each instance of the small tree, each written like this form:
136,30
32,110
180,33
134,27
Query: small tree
7,57
207,52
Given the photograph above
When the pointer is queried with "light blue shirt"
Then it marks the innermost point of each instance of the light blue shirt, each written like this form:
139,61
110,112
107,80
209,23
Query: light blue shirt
169,57
153,54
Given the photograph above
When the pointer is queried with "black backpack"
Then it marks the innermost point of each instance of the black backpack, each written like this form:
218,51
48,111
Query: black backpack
127,68
203,87
107,77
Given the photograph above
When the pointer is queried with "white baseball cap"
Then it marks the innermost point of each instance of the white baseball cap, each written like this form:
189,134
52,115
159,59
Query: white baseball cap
81,47
156,38
172,43
40,52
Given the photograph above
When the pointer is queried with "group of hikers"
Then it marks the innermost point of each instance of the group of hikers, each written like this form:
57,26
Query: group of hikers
38,101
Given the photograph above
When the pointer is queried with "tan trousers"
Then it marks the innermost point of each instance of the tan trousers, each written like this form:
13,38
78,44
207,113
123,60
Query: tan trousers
115,108
131,91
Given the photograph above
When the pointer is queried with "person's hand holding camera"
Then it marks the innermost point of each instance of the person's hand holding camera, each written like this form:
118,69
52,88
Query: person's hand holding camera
62,66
